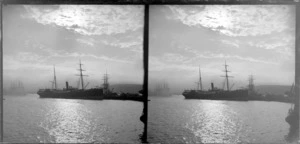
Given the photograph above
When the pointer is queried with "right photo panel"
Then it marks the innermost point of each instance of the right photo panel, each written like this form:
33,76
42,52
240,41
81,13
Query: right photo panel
222,74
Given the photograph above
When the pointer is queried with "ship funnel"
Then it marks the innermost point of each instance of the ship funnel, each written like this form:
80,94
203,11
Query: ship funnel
212,86
67,85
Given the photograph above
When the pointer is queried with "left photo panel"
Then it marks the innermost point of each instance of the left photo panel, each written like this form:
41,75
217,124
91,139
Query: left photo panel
73,73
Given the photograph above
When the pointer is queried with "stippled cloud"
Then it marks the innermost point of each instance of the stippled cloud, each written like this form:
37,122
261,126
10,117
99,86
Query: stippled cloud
234,44
132,43
121,44
215,55
174,57
159,64
89,19
241,20
89,42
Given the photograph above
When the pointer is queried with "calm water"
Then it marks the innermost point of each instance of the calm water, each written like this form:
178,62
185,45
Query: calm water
176,120
31,119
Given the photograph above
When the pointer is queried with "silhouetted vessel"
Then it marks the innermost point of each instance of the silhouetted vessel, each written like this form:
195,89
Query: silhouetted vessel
215,93
253,94
72,93
161,89
16,89
108,94
97,93
293,115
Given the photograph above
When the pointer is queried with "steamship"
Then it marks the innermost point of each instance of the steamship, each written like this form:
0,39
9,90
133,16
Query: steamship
216,93
74,93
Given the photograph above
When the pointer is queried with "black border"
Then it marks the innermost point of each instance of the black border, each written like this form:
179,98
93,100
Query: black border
1,77
297,62
146,33
146,66
152,2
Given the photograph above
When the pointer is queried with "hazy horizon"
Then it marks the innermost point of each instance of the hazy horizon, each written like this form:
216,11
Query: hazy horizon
105,38
256,40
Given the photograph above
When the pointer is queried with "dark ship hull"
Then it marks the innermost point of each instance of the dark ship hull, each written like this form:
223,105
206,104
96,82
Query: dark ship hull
92,94
236,95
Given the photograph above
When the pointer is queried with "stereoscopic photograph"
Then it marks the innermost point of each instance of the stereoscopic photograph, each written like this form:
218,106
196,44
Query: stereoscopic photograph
73,73
130,71
222,74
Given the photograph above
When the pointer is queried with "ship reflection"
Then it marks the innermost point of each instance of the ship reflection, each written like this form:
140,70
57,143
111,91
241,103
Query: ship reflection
293,120
143,136
69,122
215,123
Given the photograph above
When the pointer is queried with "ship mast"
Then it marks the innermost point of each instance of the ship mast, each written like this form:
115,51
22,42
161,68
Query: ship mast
55,84
105,84
251,83
226,76
81,75
200,79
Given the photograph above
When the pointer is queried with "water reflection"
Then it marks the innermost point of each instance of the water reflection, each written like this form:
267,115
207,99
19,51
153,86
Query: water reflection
177,120
69,122
215,122
30,119
143,137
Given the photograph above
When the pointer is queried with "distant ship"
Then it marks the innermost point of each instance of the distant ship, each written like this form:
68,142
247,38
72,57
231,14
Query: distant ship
16,89
215,93
73,93
253,94
161,89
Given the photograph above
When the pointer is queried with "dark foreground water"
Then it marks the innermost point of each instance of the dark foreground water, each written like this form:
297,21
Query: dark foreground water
30,119
176,120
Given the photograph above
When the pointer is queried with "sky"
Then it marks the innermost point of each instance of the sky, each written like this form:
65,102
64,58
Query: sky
104,37
256,40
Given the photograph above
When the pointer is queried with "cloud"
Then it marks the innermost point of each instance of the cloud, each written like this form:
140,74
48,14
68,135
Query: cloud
231,43
46,53
158,64
211,55
89,20
283,45
35,60
23,60
267,46
173,57
121,44
239,20
133,43
102,57
89,42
